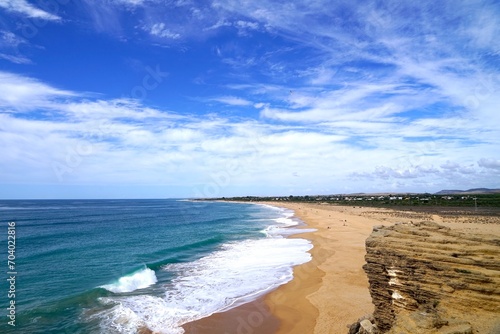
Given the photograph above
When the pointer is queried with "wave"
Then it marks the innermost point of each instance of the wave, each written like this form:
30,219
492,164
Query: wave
137,280
287,218
277,232
182,253
235,274
284,226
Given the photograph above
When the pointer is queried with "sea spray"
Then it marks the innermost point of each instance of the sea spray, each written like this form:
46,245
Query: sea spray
137,280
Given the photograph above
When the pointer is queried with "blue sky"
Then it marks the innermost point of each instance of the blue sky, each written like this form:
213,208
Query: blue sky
155,98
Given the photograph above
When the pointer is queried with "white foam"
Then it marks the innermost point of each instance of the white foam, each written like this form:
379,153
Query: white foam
138,280
286,221
129,314
237,273
118,319
231,276
284,226
276,231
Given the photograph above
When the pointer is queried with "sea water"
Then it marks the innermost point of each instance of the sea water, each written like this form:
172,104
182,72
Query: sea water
119,266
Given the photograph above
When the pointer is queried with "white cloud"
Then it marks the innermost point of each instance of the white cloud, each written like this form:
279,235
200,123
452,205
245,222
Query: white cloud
219,24
457,174
25,8
452,166
17,59
260,105
21,93
95,141
489,163
323,76
247,25
385,92
9,48
232,101
296,116
133,3
160,30
360,102
407,39
244,27
10,40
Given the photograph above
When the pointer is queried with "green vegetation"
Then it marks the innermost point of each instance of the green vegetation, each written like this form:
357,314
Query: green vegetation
396,200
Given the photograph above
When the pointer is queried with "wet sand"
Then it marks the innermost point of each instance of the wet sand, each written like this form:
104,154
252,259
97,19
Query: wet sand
253,317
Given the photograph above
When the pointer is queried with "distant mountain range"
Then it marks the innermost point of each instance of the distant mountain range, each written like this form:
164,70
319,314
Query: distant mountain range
469,192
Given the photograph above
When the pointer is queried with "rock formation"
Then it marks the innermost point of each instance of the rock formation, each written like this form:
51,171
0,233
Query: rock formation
427,278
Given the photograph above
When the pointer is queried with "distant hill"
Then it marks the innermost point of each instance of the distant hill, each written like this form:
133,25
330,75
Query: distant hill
474,191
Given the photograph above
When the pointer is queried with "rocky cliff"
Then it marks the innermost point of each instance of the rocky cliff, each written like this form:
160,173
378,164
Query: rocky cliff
427,278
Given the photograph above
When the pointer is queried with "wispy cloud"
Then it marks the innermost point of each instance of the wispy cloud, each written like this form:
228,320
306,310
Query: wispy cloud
160,30
94,140
245,27
103,16
10,40
402,94
219,24
9,48
17,59
26,9
232,101
133,3
20,93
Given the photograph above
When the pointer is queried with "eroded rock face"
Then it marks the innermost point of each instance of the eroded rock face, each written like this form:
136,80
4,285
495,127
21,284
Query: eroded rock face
426,278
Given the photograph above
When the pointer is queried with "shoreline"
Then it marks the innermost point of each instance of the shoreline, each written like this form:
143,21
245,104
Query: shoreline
331,291
332,287
305,304
252,317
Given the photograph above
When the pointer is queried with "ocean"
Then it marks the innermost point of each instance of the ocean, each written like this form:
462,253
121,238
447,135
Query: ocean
122,266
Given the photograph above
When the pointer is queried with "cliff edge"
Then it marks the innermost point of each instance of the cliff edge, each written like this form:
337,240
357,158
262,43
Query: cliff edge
428,278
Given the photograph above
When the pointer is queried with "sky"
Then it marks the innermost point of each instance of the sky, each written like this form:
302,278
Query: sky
181,98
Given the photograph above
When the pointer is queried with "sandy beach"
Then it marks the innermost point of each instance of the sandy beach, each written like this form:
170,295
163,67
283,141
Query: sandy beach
331,291
327,293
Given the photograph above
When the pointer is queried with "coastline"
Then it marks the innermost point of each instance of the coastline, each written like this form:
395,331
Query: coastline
252,317
305,304
334,284
330,292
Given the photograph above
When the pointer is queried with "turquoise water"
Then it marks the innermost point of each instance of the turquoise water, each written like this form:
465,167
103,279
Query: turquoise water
116,266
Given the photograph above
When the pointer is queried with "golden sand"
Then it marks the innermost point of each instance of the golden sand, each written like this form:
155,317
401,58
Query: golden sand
331,291
327,293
